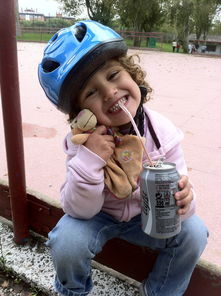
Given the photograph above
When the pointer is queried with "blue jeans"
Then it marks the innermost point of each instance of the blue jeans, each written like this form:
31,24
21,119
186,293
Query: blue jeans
74,242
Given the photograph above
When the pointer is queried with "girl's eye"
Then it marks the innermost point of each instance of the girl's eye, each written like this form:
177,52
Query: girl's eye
113,74
90,92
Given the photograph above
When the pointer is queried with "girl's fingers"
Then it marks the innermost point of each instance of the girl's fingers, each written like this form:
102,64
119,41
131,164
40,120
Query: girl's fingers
101,130
183,210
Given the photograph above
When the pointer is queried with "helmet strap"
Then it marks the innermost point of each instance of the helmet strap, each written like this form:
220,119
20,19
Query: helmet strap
139,117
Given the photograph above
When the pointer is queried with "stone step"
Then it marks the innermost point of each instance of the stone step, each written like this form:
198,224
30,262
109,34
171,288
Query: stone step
32,263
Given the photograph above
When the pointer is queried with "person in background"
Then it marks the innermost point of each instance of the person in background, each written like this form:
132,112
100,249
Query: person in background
178,47
174,45
203,48
190,48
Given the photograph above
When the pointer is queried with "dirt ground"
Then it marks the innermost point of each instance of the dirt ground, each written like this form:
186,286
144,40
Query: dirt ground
12,286
187,90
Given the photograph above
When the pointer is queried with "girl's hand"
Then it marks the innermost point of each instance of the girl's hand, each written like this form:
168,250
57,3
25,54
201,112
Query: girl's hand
184,196
101,143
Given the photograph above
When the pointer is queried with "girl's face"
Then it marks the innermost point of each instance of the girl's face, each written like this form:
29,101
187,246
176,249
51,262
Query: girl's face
105,89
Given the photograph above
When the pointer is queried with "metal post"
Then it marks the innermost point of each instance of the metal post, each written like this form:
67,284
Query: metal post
9,83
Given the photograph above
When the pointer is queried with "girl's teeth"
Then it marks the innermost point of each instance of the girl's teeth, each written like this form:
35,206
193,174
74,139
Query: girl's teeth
116,107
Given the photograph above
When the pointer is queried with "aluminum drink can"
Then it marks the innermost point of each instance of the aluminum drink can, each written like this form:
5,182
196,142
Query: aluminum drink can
158,186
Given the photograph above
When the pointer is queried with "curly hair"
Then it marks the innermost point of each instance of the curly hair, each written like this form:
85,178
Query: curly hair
135,71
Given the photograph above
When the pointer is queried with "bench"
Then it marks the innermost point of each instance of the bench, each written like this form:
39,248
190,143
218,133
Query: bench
133,261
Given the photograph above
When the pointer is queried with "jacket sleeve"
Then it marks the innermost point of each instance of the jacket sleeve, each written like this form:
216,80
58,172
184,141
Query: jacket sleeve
82,192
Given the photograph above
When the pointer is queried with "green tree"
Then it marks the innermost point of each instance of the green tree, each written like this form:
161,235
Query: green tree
203,16
102,11
72,7
216,28
189,16
180,16
140,15
51,23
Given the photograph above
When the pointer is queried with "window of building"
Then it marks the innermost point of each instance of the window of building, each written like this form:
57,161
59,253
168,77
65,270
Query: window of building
211,47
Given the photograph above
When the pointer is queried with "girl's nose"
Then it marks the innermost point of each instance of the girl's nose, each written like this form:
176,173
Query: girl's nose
109,92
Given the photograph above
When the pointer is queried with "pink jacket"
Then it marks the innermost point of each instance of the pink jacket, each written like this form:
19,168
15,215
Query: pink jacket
84,194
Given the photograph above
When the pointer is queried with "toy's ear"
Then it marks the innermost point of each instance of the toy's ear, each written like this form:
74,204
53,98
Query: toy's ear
86,120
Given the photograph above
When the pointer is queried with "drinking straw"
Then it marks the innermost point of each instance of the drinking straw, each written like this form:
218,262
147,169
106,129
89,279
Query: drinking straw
136,130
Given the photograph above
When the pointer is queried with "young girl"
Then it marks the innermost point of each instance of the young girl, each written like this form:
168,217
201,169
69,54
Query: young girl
86,66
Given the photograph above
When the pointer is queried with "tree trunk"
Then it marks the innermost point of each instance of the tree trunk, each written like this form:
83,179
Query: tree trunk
137,41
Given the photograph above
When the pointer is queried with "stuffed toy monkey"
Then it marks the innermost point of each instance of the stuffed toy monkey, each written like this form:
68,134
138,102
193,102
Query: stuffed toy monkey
81,125
123,168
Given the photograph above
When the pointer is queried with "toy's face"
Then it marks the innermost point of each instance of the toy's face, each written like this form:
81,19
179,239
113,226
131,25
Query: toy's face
105,89
85,120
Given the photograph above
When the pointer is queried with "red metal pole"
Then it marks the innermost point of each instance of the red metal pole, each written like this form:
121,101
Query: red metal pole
9,83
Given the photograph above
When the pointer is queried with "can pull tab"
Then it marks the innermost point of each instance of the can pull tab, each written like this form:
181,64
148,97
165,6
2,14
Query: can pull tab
159,162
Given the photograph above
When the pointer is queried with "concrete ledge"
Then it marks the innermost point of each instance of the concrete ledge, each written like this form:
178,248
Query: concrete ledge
32,263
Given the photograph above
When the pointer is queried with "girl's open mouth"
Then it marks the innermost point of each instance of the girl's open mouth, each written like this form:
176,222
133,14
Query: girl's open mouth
116,107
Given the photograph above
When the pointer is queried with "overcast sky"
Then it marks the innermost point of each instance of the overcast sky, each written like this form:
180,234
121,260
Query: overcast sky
47,7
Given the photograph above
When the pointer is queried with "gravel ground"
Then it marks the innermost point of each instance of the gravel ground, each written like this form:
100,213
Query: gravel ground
32,263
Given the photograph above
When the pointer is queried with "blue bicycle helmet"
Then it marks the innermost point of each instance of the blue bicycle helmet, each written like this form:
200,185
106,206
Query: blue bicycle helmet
72,55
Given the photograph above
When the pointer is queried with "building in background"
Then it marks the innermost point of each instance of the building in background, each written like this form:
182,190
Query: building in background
31,15
212,44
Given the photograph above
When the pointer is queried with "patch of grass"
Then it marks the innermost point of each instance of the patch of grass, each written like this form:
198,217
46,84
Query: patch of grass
164,47
37,37
45,37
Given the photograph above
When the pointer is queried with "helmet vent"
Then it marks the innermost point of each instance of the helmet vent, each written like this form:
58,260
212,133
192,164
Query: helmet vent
54,37
80,32
49,66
